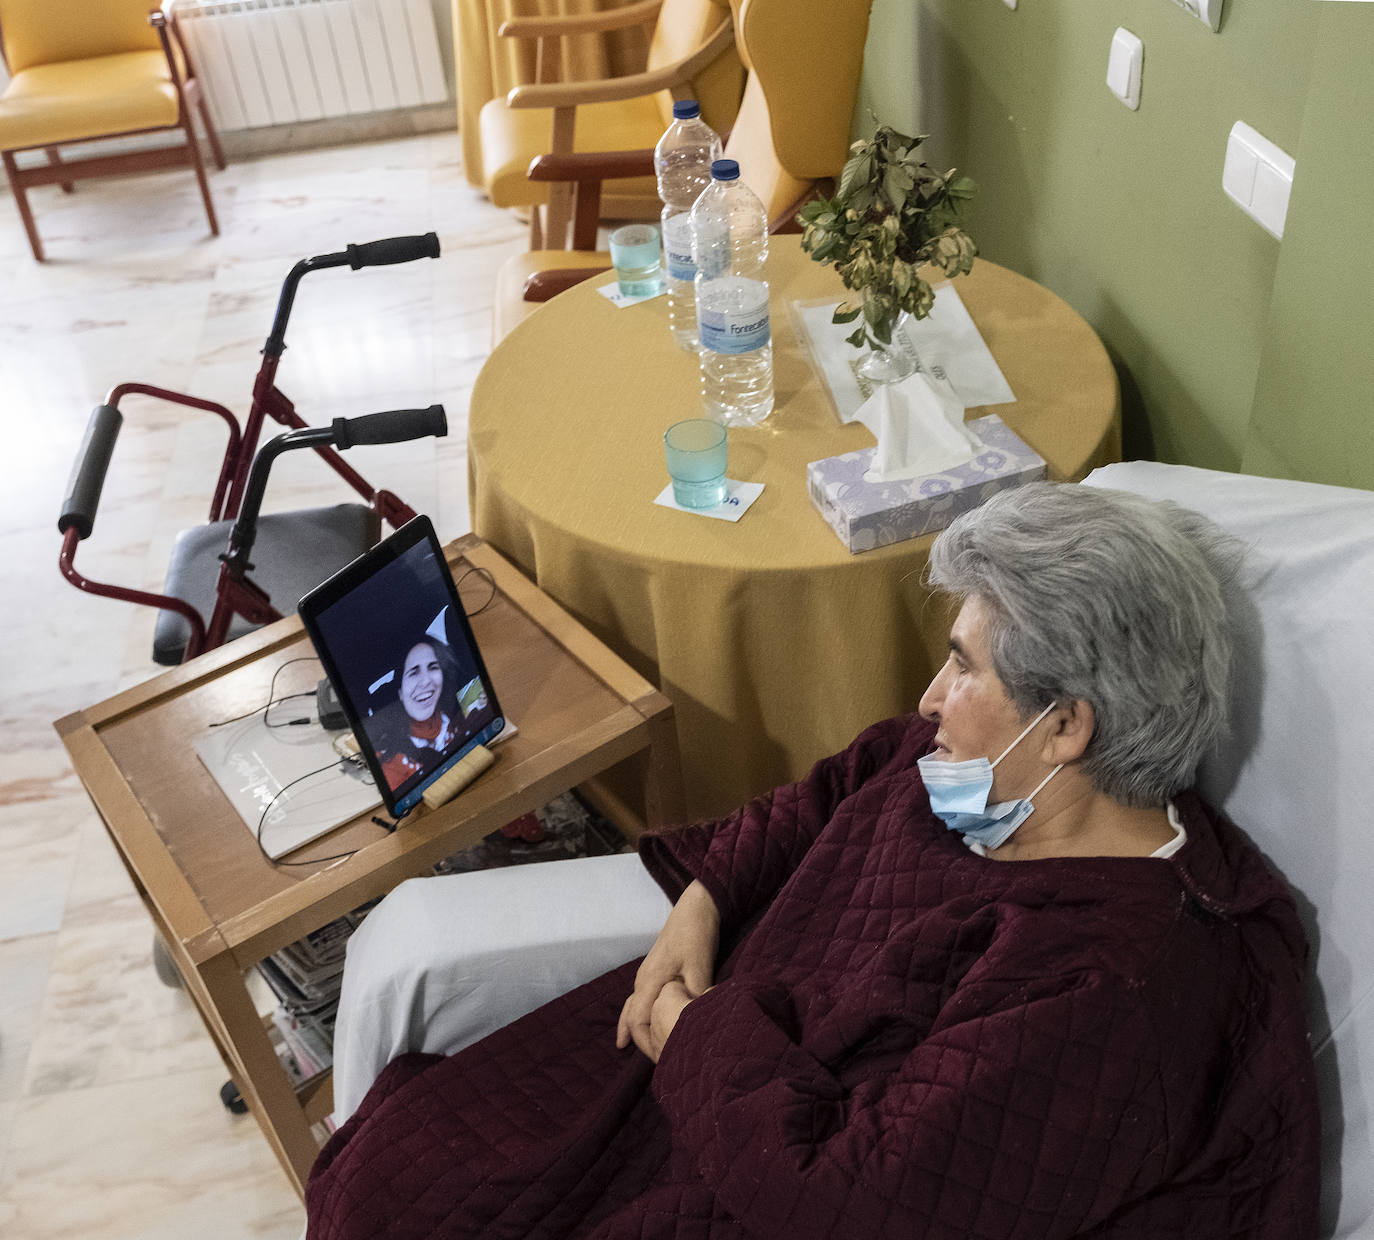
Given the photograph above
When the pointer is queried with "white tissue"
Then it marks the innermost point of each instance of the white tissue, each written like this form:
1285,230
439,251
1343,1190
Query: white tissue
919,425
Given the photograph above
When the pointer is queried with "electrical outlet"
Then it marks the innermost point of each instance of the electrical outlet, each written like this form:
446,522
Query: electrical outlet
1207,11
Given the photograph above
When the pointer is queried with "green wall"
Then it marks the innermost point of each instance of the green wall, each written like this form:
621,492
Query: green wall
1236,351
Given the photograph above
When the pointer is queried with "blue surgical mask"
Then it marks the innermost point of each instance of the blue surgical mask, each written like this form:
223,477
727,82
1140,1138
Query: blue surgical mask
959,793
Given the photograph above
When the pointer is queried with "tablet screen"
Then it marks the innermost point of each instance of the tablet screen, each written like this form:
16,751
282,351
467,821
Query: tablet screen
397,647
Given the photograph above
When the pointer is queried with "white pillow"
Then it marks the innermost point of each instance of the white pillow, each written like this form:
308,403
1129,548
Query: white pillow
1295,772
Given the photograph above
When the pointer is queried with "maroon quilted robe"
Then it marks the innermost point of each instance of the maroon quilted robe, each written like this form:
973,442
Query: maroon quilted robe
906,1039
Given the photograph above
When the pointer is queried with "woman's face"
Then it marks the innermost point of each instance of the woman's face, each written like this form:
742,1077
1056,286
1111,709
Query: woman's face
422,680
976,717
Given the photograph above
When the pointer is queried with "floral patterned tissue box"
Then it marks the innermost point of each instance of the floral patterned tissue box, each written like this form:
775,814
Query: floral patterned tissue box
866,515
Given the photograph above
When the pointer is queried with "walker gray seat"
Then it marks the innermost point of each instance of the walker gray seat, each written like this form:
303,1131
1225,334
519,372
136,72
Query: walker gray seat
293,553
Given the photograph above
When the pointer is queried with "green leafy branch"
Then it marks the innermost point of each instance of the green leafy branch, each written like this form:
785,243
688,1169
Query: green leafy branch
891,215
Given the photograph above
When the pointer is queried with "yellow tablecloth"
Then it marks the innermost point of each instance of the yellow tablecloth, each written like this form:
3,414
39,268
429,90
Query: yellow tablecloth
775,644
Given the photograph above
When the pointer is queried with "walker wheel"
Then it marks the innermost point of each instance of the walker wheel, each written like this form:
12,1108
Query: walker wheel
162,962
232,1099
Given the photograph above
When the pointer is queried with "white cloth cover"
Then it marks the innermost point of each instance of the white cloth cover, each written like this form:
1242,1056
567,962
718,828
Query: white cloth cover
1294,772
442,962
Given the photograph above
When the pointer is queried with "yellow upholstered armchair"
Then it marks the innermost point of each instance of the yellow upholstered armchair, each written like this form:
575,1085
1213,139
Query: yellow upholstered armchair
691,56
89,69
790,138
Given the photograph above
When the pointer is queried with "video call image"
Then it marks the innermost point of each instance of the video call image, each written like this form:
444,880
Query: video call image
406,666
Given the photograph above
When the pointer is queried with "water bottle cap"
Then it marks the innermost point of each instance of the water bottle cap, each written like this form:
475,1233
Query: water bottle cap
725,170
685,109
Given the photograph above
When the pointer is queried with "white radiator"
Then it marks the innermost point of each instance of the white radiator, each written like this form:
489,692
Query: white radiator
272,62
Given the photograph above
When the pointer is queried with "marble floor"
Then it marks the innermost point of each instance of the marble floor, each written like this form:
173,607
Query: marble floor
110,1121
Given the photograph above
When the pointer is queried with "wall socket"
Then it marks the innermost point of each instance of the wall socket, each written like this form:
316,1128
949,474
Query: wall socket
1208,11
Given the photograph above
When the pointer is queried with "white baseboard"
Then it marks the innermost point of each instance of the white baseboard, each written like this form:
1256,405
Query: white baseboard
275,139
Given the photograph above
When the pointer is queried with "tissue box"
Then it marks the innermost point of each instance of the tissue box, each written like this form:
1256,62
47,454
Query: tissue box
873,514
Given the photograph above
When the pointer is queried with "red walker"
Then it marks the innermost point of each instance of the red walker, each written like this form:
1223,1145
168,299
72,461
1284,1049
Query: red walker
300,549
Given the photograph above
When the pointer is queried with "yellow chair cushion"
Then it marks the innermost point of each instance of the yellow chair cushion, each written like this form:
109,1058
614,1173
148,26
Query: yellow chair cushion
79,99
46,32
510,306
751,146
682,27
512,137
808,57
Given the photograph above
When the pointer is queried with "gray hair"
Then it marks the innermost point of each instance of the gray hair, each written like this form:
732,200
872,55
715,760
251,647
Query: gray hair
1113,599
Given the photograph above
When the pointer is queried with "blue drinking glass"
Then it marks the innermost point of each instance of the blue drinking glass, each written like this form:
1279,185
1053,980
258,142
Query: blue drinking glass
696,452
638,259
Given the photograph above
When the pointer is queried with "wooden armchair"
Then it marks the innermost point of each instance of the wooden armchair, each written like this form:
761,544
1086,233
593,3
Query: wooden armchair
488,66
94,69
790,138
691,56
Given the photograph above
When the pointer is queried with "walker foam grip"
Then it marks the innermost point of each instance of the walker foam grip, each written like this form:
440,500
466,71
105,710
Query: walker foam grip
394,426
88,472
458,776
393,250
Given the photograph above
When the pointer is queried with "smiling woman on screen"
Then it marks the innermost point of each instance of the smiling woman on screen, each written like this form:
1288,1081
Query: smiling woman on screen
429,721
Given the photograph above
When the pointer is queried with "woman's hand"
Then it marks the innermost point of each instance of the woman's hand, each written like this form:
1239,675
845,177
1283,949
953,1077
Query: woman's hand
663,1017
683,957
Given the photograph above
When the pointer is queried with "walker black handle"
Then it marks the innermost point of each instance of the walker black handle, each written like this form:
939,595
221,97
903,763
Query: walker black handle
393,250
88,472
396,426
370,254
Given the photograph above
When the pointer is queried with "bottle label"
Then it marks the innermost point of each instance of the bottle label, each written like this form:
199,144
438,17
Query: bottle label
677,246
739,327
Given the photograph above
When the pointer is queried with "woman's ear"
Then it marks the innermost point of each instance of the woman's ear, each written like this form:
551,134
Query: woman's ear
1073,729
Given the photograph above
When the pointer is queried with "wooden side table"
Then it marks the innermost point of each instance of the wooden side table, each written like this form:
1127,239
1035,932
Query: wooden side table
221,905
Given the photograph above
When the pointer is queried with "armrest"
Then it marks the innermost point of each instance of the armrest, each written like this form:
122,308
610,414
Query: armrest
583,172
163,19
786,221
546,285
573,94
592,165
553,26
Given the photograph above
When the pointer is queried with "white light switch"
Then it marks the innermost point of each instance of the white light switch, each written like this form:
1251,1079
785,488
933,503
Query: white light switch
1123,67
1238,173
1258,177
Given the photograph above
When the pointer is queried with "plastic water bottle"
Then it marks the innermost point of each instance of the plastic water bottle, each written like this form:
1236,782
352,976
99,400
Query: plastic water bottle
682,163
730,244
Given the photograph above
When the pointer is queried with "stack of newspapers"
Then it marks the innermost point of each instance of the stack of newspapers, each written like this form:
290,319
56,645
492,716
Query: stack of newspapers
305,976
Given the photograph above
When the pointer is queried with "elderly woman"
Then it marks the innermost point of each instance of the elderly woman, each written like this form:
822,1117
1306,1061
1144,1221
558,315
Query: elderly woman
991,971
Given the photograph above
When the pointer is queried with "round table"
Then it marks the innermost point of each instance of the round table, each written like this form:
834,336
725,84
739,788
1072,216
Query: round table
774,643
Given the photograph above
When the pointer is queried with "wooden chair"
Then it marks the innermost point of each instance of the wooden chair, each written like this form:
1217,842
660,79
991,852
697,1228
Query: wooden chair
791,138
691,56
83,70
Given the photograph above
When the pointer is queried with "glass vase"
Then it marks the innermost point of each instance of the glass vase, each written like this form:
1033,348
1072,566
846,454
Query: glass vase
886,363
